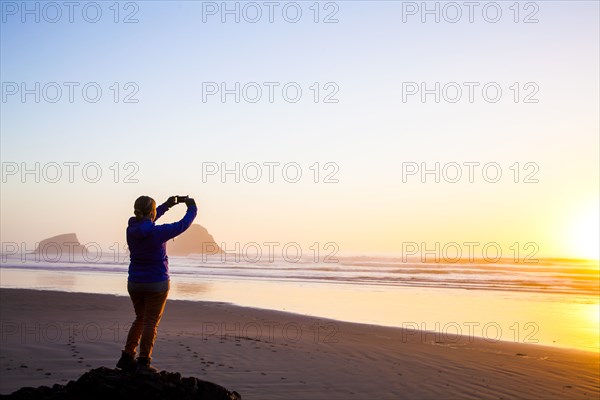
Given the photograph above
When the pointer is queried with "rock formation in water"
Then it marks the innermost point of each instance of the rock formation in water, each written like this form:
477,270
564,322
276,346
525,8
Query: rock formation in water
65,244
196,240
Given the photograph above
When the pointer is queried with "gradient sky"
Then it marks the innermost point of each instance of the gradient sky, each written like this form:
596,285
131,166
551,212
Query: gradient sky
369,133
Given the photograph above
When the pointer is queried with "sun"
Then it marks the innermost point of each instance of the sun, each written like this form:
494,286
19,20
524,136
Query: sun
583,234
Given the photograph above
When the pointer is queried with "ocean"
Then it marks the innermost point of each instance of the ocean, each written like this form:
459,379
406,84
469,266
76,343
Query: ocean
551,302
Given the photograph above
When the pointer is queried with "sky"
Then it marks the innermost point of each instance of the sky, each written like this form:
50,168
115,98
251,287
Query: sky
161,124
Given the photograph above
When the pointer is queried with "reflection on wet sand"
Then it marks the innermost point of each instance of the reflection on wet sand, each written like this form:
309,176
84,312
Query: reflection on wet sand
189,290
548,319
56,280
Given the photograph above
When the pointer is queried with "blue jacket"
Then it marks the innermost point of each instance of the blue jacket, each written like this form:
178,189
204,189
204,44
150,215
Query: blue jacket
148,247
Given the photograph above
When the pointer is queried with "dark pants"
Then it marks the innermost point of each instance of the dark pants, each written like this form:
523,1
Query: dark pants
149,307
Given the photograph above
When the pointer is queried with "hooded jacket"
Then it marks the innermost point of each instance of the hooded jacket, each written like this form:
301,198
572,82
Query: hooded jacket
148,247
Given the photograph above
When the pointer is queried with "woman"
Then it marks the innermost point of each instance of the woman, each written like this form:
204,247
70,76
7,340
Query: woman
148,283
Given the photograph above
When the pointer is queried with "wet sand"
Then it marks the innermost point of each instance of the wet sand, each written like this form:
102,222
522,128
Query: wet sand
51,337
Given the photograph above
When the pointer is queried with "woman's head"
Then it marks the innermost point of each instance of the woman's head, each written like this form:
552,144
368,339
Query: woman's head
144,207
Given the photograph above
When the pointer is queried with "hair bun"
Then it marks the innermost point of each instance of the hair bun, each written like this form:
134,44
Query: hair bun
143,206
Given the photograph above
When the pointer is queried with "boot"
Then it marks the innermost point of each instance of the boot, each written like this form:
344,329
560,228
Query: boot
127,362
143,366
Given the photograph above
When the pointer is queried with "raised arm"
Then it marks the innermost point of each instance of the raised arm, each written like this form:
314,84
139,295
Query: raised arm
164,207
169,231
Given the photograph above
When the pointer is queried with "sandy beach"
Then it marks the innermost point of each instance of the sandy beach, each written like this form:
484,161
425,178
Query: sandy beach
52,337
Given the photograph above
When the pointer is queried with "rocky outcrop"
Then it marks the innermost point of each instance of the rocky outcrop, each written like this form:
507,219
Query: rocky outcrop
61,244
196,240
115,384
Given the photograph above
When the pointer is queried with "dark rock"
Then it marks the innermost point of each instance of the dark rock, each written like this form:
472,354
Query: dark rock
114,384
196,240
65,246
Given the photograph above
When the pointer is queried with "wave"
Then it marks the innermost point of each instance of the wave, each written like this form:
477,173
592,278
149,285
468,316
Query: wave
554,275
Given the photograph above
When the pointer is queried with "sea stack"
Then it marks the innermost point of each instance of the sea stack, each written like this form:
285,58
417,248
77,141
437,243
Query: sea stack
196,240
65,244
